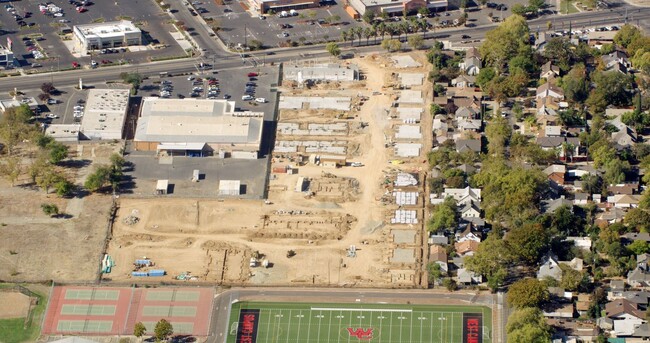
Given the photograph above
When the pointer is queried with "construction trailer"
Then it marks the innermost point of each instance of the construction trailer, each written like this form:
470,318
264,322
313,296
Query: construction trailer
162,186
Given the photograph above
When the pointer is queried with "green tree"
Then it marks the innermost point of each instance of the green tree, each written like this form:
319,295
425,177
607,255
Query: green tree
485,75
519,9
98,179
626,35
638,247
571,278
449,284
560,51
139,329
435,109
498,132
576,85
47,88
443,216
491,260
536,4
527,292
47,178
505,41
333,49
528,242
614,86
50,209
63,187
134,79
163,330
368,16
416,41
528,325
58,152
435,273
11,169
391,45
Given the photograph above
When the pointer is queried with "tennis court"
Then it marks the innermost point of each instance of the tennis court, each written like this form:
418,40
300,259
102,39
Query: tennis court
85,325
169,311
91,294
316,323
88,309
173,295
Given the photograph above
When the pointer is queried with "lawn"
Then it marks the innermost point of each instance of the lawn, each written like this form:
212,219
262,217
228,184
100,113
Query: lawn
316,323
17,330
568,7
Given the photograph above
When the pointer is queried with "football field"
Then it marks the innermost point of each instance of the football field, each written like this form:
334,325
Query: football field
264,322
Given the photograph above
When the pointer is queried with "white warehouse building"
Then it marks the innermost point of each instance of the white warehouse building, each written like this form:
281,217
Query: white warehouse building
105,114
106,35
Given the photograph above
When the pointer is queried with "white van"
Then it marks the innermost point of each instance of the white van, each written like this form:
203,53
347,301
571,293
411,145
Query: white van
247,97
293,12
283,14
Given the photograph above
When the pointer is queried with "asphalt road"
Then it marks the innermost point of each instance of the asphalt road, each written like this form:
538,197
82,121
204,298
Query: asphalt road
223,60
221,306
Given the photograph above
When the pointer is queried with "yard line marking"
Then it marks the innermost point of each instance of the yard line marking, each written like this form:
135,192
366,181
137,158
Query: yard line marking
268,326
308,327
329,329
289,326
390,328
365,309
299,316
411,330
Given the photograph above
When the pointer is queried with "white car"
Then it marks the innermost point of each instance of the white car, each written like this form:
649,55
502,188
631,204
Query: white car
260,100
58,14
52,116
52,101
247,97
190,78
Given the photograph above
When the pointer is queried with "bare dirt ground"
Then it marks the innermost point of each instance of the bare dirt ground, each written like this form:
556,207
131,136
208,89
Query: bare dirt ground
215,240
14,305
35,247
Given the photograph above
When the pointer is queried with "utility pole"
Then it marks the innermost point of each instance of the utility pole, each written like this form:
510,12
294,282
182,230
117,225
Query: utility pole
246,35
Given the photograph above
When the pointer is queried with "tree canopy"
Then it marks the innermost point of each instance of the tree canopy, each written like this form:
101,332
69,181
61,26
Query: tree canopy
528,292
505,41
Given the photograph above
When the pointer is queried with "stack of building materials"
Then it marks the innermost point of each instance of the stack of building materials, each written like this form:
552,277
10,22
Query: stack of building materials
405,198
404,217
405,179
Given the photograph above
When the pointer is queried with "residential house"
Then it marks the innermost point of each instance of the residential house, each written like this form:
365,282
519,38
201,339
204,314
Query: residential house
468,101
582,243
580,199
550,143
640,298
469,125
468,234
616,58
549,71
616,289
466,168
467,113
553,131
466,248
468,145
625,315
624,188
597,39
549,268
558,310
438,239
623,201
558,294
468,277
549,90
438,255
476,222
470,210
464,81
609,216
471,64
573,331
551,205
640,276
624,138
461,195
582,304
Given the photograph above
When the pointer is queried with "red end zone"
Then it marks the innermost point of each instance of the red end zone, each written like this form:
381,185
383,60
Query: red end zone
472,328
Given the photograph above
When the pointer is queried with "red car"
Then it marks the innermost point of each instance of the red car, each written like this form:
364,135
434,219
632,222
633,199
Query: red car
252,74
75,65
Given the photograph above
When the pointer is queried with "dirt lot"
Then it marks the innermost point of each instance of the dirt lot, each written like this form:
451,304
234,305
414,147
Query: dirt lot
14,305
340,208
36,247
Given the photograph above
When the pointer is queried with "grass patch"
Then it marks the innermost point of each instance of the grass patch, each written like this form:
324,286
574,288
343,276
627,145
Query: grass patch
20,330
99,20
568,7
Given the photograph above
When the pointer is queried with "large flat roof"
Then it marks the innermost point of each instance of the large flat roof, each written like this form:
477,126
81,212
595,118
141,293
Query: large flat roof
197,120
105,113
109,29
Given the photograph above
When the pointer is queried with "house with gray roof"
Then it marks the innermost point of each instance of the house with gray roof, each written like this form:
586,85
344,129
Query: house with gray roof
468,145
549,268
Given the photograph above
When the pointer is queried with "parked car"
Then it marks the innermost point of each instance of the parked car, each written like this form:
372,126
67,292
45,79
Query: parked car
252,74
52,101
247,97
260,100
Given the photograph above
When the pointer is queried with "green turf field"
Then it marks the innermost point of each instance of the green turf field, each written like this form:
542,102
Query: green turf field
325,323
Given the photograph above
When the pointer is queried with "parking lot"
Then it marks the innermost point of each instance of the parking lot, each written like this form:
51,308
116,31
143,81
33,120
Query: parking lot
231,85
304,28
151,19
